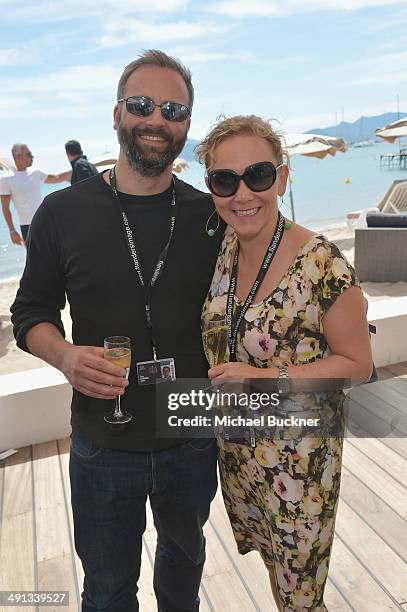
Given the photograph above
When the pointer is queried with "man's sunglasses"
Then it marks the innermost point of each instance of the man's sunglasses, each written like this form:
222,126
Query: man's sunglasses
257,177
143,106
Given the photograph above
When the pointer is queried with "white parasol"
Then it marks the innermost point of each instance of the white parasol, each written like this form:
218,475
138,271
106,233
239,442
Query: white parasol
310,145
179,165
108,159
394,130
5,164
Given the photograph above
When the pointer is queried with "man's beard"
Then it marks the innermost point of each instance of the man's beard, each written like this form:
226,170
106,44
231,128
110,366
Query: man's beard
146,160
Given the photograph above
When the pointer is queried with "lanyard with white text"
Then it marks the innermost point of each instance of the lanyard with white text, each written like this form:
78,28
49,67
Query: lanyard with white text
133,253
234,322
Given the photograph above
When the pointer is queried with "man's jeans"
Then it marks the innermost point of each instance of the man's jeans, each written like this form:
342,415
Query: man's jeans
109,492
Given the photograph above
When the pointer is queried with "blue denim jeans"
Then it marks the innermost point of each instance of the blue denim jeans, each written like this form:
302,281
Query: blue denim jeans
109,493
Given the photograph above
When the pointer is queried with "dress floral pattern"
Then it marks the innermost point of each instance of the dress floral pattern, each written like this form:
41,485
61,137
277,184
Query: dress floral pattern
282,495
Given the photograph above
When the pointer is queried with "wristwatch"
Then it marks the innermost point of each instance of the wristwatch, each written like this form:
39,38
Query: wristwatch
283,381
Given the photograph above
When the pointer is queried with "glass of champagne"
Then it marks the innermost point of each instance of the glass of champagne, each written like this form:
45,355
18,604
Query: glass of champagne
118,352
215,341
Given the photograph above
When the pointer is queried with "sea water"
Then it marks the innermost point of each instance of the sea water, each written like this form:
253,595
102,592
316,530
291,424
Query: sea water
323,192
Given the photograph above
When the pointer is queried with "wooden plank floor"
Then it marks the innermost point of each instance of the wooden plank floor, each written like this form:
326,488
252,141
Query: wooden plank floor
368,567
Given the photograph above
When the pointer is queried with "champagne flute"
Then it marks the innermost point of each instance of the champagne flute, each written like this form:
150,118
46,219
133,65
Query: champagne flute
215,341
118,352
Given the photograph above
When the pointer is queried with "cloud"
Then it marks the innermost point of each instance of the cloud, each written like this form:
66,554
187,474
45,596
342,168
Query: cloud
39,50
76,91
9,102
282,8
64,112
73,78
58,10
383,78
200,57
398,42
10,57
395,21
379,69
118,33
284,63
201,54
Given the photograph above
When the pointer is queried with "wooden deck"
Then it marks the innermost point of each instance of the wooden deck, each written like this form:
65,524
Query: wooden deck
368,568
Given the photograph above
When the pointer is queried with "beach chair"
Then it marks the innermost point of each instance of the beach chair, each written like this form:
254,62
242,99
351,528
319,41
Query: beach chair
394,201
397,201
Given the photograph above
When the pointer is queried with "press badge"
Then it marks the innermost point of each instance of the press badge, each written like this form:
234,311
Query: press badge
156,371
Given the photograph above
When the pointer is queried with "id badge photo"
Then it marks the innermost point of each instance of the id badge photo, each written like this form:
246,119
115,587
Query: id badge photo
156,371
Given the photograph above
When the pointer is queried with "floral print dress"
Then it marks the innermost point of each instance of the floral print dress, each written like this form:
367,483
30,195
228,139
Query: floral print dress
282,495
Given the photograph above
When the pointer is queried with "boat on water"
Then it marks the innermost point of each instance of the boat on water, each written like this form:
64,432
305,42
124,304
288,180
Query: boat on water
363,143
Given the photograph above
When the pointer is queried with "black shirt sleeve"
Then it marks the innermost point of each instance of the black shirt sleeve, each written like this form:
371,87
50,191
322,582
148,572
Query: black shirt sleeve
83,170
41,295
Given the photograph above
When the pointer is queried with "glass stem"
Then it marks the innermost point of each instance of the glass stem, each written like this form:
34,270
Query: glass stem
117,409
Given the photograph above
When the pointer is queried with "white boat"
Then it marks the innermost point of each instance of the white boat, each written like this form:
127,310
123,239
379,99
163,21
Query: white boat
363,143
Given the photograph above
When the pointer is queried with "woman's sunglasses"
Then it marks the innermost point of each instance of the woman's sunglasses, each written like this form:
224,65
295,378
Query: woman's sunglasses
258,177
143,106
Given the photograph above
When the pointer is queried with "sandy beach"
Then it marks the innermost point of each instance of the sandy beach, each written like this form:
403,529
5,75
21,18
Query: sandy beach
12,359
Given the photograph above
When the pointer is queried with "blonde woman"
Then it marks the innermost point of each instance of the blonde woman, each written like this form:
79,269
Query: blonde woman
297,312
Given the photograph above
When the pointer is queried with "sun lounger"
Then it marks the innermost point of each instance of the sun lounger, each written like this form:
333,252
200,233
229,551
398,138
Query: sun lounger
397,202
394,201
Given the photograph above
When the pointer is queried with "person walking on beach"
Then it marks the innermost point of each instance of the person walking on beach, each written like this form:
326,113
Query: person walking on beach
129,249
81,167
23,186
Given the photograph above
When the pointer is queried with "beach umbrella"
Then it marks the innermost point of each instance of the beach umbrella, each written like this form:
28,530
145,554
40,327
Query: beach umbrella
108,159
105,160
5,164
394,130
179,165
310,145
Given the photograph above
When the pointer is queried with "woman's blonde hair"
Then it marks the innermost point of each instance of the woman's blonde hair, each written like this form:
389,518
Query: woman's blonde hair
241,125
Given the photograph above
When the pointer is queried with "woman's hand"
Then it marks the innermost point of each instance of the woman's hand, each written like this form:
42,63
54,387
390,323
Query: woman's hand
238,370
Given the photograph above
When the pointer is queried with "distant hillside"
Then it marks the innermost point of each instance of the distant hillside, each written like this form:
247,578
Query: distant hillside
188,151
362,129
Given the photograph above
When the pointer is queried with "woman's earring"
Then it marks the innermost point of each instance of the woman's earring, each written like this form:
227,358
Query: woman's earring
211,232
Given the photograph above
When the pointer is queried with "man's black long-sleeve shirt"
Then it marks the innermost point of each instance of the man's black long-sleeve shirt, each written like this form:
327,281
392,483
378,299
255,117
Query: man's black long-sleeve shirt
82,169
77,246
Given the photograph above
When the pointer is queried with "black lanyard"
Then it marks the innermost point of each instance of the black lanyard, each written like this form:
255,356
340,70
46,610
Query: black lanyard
235,321
133,253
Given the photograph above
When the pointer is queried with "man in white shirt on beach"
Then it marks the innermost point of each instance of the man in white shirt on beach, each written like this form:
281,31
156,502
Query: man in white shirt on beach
23,186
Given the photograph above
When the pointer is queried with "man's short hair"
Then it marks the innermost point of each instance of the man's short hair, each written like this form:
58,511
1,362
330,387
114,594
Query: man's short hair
18,149
73,147
153,57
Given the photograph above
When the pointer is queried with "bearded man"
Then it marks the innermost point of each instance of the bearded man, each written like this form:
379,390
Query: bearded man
129,251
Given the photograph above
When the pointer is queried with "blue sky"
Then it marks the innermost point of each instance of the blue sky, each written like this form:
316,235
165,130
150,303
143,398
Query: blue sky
299,61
